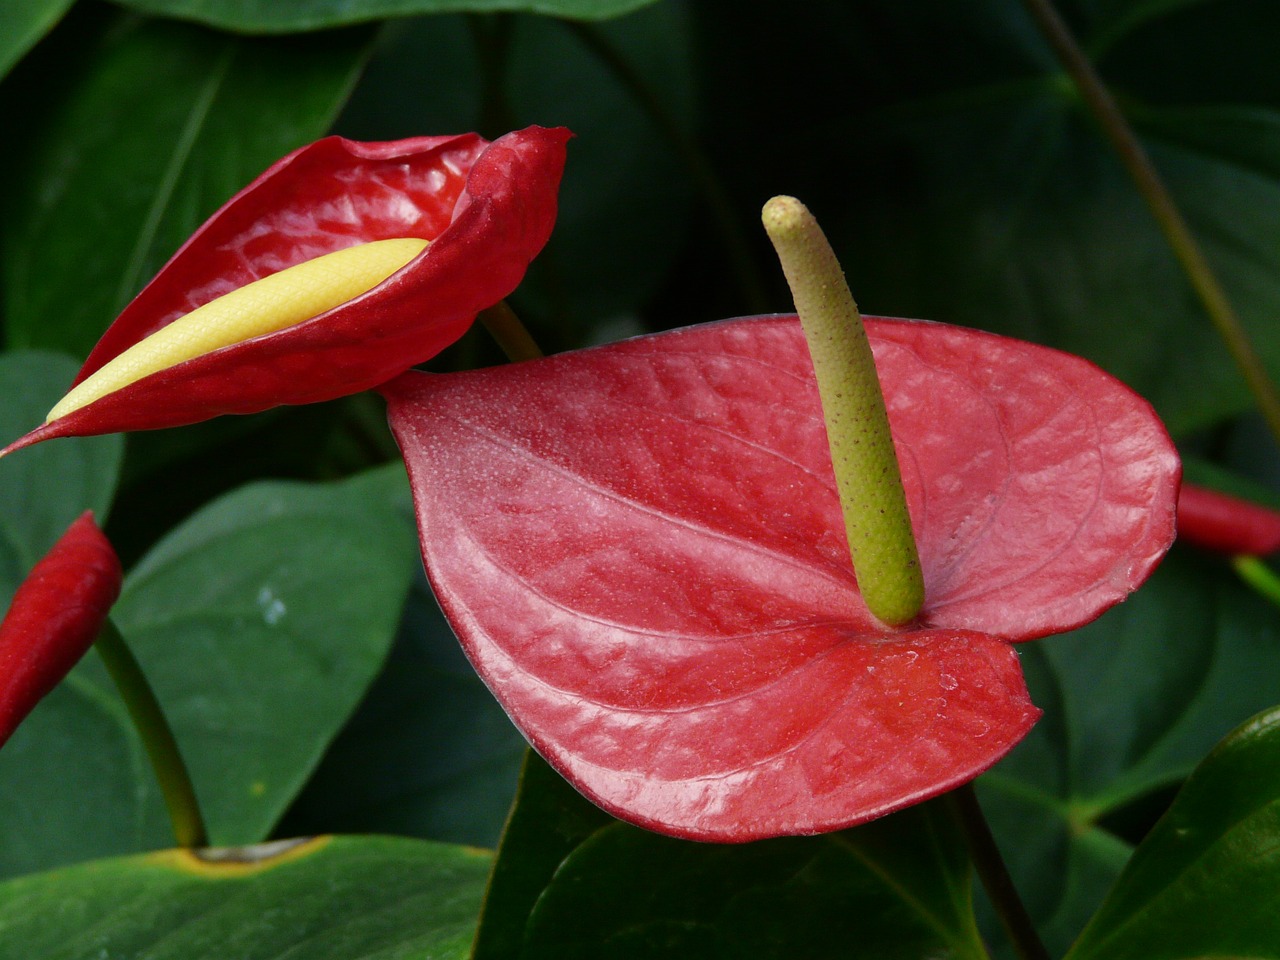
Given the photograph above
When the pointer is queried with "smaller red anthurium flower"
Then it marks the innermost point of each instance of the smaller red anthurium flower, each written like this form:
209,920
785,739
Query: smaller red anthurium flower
642,550
341,266
1227,524
54,618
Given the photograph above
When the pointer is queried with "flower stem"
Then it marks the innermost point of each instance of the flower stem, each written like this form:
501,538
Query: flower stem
868,480
1152,189
149,719
512,335
995,875
1254,572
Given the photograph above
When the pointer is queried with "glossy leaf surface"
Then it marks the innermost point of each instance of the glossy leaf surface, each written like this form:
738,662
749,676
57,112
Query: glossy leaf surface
486,208
658,565
366,898
1132,702
1204,882
54,618
259,622
23,23
272,15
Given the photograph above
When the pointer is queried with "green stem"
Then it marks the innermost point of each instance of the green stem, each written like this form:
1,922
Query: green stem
149,719
868,479
1253,571
994,875
723,212
1152,189
511,335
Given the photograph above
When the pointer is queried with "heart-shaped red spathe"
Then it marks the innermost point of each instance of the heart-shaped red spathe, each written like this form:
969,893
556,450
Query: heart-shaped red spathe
641,549
487,208
54,618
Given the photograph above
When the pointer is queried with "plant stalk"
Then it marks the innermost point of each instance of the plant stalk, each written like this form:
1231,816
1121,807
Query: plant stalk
157,737
1255,572
868,479
1158,198
511,335
994,875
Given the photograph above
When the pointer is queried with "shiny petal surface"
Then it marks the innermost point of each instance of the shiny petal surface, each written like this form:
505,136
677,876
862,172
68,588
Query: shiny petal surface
1227,524
54,618
487,208
641,549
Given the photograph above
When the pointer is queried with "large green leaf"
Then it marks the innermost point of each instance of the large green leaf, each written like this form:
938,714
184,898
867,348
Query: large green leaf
571,882
23,23
44,488
549,820
963,180
332,898
1206,881
131,137
1131,703
280,16
897,888
260,622
430,753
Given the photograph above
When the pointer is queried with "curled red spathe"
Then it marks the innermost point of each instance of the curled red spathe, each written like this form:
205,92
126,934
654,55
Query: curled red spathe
487,208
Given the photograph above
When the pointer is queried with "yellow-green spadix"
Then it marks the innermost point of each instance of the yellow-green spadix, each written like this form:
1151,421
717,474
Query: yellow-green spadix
273,303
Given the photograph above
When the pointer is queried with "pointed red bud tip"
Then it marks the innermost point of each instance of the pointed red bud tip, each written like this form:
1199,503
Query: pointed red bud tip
484,209
1227,524
54,618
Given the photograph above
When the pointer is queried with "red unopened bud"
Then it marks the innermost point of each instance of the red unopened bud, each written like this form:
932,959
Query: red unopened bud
54,618
1218,521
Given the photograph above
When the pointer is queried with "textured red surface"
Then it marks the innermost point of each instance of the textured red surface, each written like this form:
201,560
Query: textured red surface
641,549
54,618
488,209
1218,521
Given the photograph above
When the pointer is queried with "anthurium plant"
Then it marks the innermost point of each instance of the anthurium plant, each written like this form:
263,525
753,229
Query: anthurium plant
516,543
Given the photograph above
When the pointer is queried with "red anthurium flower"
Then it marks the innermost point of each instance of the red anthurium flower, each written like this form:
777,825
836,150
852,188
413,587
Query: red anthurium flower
486,209
641,549
54,618
1219,521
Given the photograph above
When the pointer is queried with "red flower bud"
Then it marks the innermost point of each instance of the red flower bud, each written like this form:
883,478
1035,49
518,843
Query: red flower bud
1218,521
486,209
54,618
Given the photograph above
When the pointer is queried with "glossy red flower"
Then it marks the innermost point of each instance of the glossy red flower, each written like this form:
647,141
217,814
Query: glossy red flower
486,208
641,549
54,618
1227,524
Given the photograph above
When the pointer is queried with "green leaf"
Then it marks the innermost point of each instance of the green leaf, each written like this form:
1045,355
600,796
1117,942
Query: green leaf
962,180
260,622
896,888
571,882
282,16
549,819
23,23
430,753
148,129
1131,703
354,898
44,488
1214,859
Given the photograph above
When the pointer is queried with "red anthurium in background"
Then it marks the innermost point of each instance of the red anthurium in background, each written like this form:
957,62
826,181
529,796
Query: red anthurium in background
486,210
54,618
1227,524
642,551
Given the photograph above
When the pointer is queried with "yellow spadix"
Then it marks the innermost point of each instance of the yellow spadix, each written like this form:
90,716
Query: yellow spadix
281,300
